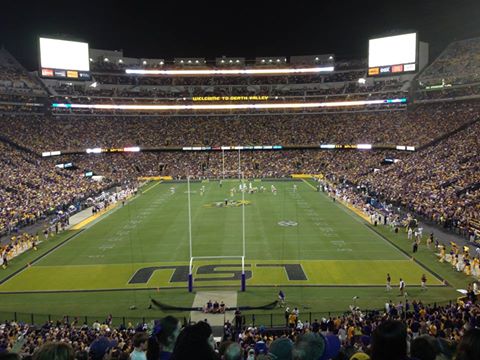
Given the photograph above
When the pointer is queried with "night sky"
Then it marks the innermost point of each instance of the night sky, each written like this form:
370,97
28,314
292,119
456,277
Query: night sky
168,29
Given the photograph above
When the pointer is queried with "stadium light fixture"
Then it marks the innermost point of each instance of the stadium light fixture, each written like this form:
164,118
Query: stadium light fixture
51,153
131,149
144,62
259,106
120,61
364,146
278,71
106,60
91,60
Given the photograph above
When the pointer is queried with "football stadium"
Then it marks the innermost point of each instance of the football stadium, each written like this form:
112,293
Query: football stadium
240,207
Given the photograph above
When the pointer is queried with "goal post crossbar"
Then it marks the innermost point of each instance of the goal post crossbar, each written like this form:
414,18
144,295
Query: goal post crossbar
193,258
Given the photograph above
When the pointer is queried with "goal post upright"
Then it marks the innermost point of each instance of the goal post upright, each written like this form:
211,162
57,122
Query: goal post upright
190,276
241,176
243,285
223,163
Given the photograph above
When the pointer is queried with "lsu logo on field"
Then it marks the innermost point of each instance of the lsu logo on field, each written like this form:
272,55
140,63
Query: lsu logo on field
221,272
228,203
287,223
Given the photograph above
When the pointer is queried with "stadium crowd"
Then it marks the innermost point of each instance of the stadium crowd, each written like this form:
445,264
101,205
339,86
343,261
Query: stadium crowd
413,128
402,331
459,63
30,188
14,78
439,183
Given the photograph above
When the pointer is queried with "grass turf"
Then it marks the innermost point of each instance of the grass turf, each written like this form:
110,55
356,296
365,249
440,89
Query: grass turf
339,254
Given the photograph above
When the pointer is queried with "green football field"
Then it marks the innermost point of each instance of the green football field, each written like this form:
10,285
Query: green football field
319,252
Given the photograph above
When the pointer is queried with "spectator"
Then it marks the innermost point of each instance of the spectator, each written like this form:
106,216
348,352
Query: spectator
162,341
55,351
100,347
195,342
424,348
140,341
233,352
281,349
469,347
389,341
311,346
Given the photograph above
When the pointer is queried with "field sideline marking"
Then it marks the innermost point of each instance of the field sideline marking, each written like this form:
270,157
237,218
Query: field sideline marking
34,261
90,223
56,247
406,254
306,182
92,218
354,215
385,239
206,287
362,221
151,187
173,263
82,224
102,216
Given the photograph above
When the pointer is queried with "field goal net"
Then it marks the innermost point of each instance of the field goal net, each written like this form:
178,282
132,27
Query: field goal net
240,257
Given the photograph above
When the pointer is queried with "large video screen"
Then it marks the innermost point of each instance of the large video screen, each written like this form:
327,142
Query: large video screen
64,59
392,55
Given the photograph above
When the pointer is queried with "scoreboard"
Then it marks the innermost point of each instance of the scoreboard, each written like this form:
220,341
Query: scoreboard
393,55
62,59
